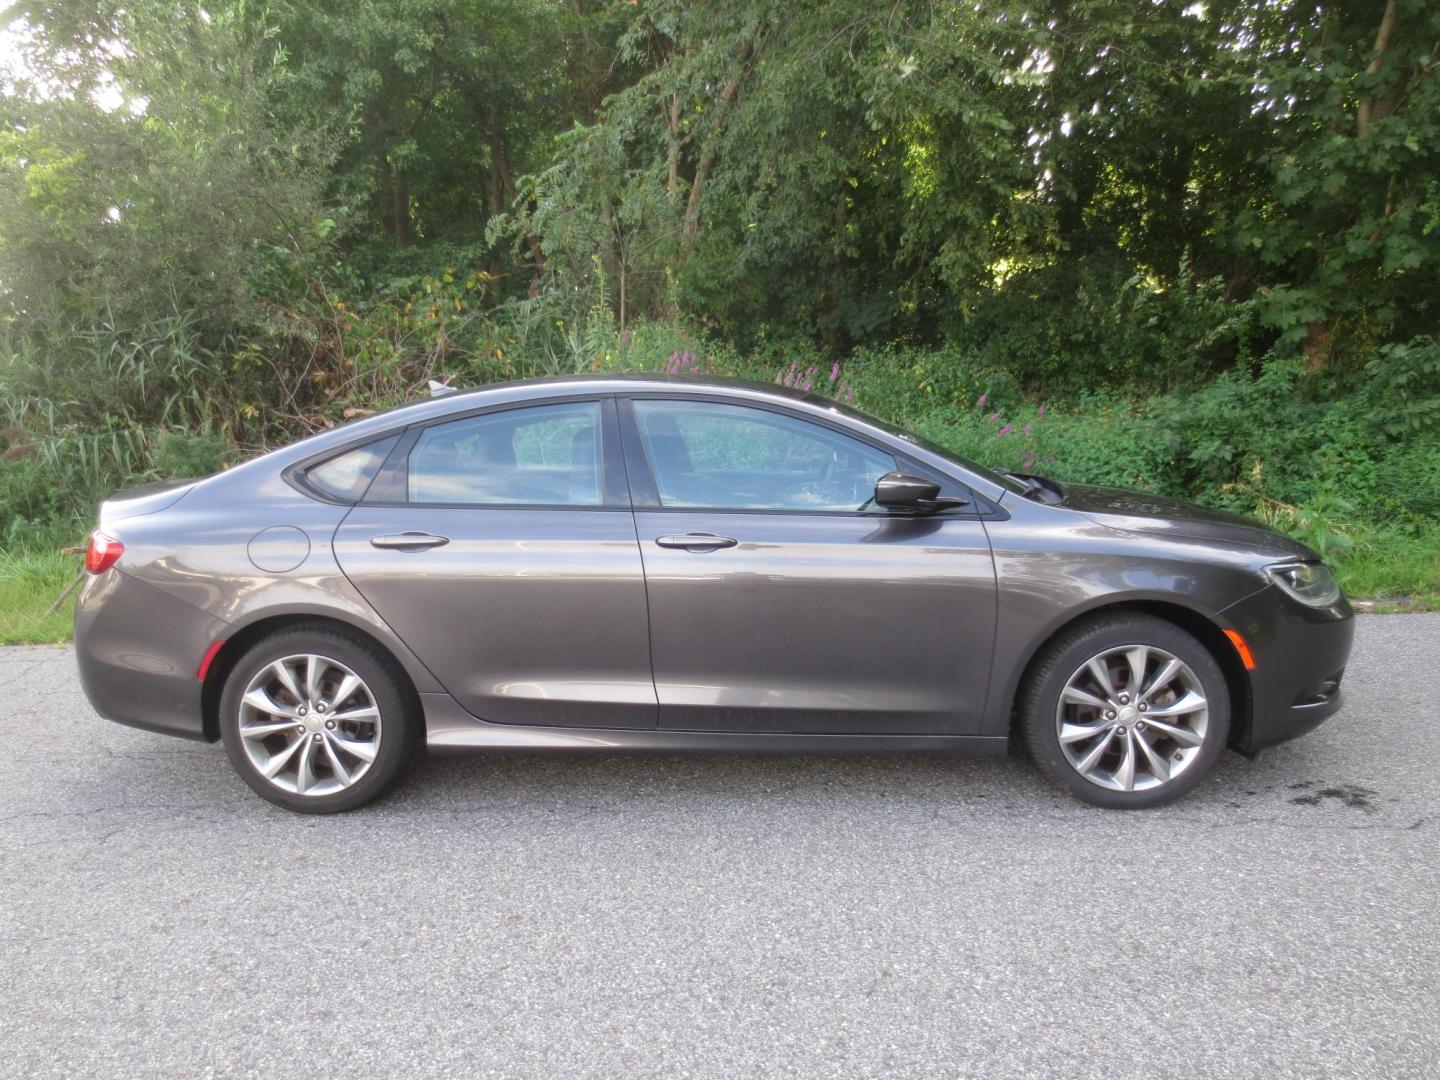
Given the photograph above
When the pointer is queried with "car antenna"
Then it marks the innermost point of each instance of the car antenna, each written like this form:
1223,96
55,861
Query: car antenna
440,389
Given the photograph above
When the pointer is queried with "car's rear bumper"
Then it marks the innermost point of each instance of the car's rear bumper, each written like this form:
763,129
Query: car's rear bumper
139,651
1300,655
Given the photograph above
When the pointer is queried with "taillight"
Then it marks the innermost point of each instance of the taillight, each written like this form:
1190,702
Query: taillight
103,552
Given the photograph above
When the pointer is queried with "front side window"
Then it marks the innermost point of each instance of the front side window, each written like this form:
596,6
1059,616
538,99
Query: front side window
548,455
717,456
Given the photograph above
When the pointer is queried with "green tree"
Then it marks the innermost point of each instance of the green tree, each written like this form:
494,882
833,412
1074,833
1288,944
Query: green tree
180,193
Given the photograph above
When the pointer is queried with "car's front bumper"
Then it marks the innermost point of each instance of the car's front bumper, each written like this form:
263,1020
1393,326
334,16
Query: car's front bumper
139,651
1300,655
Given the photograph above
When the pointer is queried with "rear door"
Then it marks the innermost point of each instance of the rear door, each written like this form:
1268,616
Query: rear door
780,599
500,546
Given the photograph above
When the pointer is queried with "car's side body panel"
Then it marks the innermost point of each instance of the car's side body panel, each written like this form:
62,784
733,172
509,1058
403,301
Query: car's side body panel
525,616
139,650
195,562
820,623
1053,567
1300,655
449,728
841,621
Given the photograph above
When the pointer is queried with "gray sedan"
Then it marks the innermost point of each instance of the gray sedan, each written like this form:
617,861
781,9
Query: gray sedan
645,563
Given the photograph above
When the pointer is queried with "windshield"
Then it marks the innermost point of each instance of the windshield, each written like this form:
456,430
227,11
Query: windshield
1009,483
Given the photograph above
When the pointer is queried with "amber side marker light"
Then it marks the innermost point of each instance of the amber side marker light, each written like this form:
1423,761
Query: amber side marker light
1246,657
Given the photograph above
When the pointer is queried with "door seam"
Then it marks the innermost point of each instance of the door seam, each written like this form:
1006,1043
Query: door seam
640,552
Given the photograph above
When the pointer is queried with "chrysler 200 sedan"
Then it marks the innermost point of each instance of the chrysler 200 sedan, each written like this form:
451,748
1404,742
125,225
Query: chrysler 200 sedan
615,563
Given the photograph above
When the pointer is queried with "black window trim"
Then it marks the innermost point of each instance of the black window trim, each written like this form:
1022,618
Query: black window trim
644,495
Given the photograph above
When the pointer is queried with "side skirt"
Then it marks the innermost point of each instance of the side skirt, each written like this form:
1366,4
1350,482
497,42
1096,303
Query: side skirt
450,729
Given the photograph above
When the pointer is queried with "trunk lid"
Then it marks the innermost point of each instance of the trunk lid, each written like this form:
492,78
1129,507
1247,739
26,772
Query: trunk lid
143,499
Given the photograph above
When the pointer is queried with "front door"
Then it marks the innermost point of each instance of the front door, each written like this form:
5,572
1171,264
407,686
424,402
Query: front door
506,558
781,600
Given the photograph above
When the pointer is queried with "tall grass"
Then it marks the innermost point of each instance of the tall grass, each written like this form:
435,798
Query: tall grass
29,585
89,406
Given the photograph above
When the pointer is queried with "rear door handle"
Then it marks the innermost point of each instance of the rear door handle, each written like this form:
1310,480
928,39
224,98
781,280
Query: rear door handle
696,541
409,541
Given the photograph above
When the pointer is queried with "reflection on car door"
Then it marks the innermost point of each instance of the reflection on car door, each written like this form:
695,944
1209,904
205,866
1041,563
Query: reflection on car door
503,552
779,600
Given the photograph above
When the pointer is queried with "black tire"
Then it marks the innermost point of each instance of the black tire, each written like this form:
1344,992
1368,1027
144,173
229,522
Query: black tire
401,722
1059,660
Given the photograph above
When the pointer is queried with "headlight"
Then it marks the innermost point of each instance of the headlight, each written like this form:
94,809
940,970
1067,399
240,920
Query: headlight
1310,583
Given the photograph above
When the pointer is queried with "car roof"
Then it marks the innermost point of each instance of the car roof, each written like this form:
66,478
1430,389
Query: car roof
462,400
631,380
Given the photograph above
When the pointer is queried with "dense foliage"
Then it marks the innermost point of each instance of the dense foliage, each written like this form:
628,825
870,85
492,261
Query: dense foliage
1186,245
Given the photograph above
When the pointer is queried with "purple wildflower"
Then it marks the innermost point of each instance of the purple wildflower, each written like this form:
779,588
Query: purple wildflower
1041,411
1003,432
983,399
835,372
994,416
1027,429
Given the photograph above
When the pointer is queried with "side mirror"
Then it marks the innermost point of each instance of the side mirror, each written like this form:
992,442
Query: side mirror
911,494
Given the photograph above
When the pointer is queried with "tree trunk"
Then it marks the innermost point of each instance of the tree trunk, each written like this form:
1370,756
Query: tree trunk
1317,345
833,336
494,207
1375,108
397,217
610,240
728,94
622,295
587,68
500,164
1317,334
672,132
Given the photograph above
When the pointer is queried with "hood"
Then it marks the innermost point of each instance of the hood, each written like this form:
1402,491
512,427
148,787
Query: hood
143,499
1138,511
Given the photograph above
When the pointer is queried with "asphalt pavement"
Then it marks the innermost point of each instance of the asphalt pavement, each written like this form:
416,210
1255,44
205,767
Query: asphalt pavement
536,916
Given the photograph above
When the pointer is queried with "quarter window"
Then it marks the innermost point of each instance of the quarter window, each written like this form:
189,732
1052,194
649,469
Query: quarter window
547,455
346,476
717,456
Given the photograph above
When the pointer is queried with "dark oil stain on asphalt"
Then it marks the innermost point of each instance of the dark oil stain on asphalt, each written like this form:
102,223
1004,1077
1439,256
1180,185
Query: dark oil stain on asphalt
1352,795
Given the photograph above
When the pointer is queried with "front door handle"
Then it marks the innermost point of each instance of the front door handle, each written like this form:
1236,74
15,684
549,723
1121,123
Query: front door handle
409,541
696,541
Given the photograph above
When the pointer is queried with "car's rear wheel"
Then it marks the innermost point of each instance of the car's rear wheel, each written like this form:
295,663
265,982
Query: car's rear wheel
1126,711
317,720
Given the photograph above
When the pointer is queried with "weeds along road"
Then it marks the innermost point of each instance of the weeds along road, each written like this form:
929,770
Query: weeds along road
604,916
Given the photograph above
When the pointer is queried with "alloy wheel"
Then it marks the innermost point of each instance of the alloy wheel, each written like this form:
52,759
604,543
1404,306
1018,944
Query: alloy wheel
309,725
1132,718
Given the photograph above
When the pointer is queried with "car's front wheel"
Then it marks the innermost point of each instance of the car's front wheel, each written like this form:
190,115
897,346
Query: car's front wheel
1126,711
317,720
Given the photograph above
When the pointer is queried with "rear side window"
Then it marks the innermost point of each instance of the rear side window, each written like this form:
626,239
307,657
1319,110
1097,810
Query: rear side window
546,455
346,476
